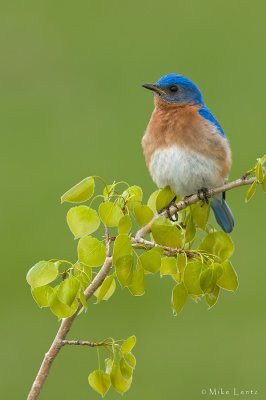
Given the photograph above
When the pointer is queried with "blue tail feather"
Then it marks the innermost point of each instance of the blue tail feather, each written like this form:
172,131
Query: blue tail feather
223,214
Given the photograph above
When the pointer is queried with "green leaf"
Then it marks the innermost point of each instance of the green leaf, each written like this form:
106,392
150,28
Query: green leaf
211,298
219,244
106,290
42,273
251,191
168,266
100,382
179,297
130,359
125,369
110,213
228,280
41,295
259,172
164,197
200,214
208,280
122,247
143,214
82,220
192,277
91,251
119,383
80,192
136,286
264,183
60,309
124,270
125,224
128,344
181,262
68,290
132,196
150,260
166,233
83,273
190,229
152,200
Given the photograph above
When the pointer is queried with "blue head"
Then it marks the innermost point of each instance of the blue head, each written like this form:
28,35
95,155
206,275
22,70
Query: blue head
174,88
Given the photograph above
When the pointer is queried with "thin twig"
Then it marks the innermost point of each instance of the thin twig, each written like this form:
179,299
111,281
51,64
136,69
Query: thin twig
81,343
142,232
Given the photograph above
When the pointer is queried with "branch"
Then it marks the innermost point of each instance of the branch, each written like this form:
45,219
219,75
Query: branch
62,332
81,343
141,233
139,242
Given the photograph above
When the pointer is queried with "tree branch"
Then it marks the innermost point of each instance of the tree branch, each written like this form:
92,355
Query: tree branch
62,332
139,242
141,233
81,343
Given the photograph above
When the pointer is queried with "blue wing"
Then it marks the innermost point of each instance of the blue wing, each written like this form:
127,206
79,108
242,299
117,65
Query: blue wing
205,113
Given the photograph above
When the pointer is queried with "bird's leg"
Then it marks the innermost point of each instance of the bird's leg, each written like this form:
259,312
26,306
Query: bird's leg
203,195
167,209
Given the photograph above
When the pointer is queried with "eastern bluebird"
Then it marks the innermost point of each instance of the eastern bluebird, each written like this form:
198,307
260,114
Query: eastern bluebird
185,146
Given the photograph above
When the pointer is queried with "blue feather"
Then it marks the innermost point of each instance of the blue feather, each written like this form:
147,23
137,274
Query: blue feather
205,113
223,214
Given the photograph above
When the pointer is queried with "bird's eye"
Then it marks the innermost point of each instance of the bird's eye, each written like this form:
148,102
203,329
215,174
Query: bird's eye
174,88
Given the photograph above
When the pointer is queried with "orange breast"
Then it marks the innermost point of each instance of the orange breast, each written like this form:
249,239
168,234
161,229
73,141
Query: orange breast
182,126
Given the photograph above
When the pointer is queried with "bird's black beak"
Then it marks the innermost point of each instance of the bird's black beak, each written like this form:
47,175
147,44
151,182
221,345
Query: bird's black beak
155,88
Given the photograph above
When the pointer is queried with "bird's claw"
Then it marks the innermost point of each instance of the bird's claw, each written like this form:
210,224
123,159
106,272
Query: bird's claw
172,217
203,195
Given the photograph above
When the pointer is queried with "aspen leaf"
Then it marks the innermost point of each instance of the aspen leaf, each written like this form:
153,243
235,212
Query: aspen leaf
211,298
106,290
41,295
91,251
42,273
128,344
100,382
192,277
251,191
179,297
68,290
110,213
200,214
124,225
60,309
259,172
219,244
136,286
122,247
82,220
80,192
124,270
166,233
228,280
164,197
150,260
168,266
143,214
119,383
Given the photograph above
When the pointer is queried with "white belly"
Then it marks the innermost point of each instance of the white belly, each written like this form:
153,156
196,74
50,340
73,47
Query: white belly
184,171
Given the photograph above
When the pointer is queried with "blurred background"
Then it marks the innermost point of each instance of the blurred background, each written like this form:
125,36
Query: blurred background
72,106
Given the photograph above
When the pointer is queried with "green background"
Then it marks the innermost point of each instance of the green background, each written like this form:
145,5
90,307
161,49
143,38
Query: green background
72,106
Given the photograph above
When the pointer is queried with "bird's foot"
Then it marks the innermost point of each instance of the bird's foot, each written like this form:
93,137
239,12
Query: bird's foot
203,195
173,217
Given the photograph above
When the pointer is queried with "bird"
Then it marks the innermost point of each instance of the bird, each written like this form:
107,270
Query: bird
184,145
